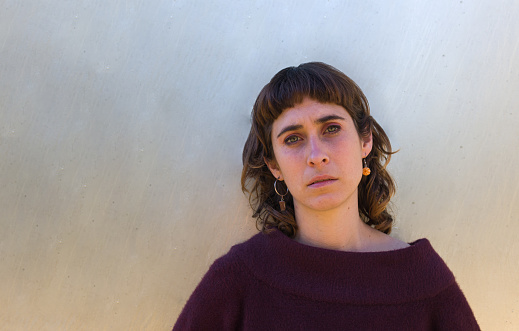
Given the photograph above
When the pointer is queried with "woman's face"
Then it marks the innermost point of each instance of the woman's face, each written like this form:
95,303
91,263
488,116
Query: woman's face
318,153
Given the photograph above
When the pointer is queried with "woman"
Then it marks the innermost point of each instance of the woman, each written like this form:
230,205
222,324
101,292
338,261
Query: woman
314,167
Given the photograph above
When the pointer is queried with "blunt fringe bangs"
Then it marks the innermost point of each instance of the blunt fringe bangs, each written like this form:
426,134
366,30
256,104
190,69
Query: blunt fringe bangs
325,84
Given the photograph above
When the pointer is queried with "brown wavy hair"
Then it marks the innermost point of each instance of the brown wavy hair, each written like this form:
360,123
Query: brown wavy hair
325,84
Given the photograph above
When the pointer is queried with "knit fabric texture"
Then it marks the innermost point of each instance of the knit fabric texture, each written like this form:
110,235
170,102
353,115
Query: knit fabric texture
272,282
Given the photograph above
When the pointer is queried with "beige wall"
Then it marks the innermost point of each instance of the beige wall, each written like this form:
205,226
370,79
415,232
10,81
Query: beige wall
122,124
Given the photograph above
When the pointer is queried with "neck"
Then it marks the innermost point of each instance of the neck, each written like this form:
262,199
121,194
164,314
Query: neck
338,229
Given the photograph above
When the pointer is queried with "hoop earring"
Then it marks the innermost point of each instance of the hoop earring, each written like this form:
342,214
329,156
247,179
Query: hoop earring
282,204
365,171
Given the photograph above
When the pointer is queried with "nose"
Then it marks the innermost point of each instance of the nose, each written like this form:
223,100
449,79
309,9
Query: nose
317,155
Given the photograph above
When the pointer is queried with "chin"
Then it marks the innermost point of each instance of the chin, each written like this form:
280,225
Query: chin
325,203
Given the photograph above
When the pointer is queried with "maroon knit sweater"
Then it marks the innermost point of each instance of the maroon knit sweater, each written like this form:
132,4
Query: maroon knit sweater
272,282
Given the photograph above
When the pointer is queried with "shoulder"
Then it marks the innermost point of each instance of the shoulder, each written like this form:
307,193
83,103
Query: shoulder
250,251
216,302
227,274
431,272
424,271
231,265
443,294
236,262
224,277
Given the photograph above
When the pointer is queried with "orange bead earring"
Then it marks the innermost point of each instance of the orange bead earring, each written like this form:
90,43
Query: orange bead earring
365,171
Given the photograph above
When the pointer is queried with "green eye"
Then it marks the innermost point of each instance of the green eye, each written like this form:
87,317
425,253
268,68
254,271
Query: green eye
333,129
291,140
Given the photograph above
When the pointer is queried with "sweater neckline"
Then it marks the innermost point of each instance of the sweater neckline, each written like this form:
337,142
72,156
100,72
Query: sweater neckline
294,244
410,273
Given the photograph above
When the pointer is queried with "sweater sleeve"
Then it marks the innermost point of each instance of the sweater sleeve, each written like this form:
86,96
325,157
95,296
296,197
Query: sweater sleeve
452,311
216,302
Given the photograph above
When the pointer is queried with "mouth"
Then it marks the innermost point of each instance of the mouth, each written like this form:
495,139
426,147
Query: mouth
321,180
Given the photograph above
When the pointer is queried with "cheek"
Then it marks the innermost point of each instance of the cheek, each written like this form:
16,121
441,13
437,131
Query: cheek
291,167
285,156
287,164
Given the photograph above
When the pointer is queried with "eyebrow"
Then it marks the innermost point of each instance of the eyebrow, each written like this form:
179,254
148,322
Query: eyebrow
317,121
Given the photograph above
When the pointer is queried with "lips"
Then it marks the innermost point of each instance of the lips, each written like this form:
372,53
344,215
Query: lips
321,180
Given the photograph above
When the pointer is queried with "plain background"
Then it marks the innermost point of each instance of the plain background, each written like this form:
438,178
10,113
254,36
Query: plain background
122,125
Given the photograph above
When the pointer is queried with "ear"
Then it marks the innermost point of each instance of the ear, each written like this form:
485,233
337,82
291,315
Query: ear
274,168
367,144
